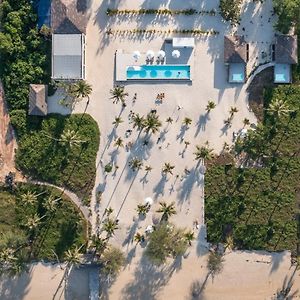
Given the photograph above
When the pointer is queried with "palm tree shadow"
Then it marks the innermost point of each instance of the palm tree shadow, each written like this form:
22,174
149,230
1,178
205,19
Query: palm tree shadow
224,129
147,282
201,124
181,134
131,234
113,155
160,187
188,183
286,290
112,136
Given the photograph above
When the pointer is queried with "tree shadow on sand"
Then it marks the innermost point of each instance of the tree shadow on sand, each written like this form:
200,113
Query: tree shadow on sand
201,123
15,287
159,189
147,282
181,134
187,185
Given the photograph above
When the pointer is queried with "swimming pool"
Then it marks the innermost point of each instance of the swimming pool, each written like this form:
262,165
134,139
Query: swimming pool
158,72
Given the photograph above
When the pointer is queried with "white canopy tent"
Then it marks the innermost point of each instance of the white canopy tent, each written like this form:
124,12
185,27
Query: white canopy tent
161,54
183,42
176,53
136,55
150,54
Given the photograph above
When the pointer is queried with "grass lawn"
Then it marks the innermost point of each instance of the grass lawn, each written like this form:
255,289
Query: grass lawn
57,231
259,206
43,157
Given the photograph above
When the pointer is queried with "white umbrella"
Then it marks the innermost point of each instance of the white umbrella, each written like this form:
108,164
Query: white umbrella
136,55
243,133
149,229
150,54
149,201
161,54
176,53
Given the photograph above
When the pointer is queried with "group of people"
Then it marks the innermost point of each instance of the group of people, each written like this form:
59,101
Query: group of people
160,96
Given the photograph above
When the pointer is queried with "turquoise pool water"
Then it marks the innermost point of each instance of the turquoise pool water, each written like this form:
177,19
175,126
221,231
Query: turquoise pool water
158,72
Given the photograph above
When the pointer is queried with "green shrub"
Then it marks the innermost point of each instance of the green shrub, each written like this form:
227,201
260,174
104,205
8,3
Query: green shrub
18,119
230,10
42,156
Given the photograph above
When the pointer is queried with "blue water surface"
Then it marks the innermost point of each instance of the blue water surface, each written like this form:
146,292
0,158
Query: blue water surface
158,72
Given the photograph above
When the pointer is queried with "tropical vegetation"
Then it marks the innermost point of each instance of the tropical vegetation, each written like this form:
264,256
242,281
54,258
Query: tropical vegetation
60,150
30,229
258,204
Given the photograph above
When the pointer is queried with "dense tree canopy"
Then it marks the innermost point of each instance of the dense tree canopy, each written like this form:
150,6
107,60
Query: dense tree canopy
25,53
230,10
288,12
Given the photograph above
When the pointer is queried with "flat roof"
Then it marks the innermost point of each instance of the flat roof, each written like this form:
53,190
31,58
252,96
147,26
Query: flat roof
68,56
282,73
236,73
181,42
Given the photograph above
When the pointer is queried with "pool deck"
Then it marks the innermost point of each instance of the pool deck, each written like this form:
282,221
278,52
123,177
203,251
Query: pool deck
123,60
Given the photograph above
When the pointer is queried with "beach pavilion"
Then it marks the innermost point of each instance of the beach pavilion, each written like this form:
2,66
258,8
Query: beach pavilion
236,56
285,52
68,24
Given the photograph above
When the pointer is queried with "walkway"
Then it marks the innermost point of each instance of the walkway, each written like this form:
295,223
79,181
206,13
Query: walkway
84,210
8,142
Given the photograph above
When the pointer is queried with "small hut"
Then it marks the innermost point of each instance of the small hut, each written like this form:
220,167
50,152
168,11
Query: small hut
236,55
38,100
285,56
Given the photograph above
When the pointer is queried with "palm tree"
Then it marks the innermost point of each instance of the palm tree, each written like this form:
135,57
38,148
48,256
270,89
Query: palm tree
119,142
138,121
73,256
110,226
7,255
210,106
246,122
189,236
29,198
34,221
169,120
143,209
233,110
228,121
80,90
148,168
118,94
168,168
51,203
99,244
117,121
166,210
186,143
70,138
186,122
215,263
152,123
139,238
278,108
203,152
135,164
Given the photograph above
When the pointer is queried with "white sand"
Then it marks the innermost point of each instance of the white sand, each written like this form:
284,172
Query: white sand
43,282
124,190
